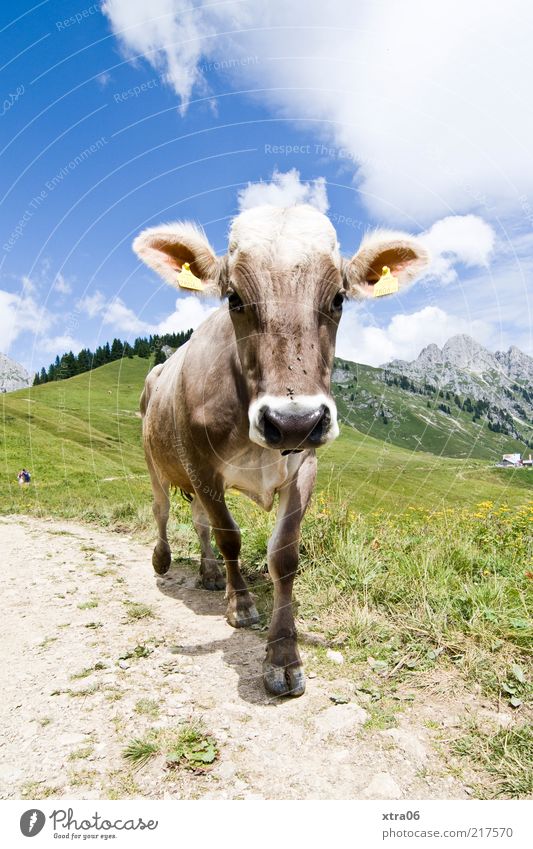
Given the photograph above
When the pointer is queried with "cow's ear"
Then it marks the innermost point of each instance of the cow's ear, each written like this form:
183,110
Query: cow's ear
404,255
168,247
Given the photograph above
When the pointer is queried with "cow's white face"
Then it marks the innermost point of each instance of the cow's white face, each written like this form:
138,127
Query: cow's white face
285,294
285,282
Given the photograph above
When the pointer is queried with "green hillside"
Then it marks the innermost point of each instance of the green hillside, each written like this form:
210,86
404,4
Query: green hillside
81,439
410,420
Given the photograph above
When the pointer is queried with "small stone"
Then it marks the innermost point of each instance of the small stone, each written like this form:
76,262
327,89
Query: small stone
502,720
382,786
311,675
411,745
453,720
123,664
335,656
341,719
225,771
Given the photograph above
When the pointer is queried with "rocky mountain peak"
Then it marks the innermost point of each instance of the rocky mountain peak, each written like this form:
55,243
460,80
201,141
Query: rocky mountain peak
463,352
12,375
494,386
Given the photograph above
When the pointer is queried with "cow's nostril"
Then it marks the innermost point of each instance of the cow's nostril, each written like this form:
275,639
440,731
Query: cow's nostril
317,434
293,431
273,434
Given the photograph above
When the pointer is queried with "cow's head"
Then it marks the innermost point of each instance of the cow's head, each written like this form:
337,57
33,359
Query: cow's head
285,284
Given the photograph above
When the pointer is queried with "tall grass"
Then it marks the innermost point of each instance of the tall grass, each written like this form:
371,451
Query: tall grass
454,582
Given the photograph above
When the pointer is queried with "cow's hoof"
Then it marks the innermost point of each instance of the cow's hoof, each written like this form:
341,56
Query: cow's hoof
242,613
284,680
161,558
211,578
208,582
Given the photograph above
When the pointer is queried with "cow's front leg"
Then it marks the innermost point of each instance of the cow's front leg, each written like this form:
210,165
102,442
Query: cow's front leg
241,611
283,673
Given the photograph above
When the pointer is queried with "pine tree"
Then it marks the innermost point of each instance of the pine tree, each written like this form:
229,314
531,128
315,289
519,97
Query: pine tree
117,350
159,356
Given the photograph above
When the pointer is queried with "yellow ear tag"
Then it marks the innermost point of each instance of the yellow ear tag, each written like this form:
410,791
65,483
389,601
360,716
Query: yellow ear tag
386,285
188,280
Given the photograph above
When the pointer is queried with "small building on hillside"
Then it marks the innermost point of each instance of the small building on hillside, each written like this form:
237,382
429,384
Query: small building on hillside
511,460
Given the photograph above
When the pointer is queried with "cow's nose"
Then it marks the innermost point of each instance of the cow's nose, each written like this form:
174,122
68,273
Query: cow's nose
289,431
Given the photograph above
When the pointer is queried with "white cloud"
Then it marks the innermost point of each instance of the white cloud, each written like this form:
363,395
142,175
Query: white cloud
61,285
405,335
19,315
466,239
92,305
174,35
285,189
123,319
429,101
189,312
103,79
60,344
28,285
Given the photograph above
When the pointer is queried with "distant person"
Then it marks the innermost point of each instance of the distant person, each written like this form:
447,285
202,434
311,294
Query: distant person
24,477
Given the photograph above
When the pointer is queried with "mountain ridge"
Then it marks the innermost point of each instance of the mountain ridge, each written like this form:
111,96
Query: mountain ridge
465,353
13,375
457,400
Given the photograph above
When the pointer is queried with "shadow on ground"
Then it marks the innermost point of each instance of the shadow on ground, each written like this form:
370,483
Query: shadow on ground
243,649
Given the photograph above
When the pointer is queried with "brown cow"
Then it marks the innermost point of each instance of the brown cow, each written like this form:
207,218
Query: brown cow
247,401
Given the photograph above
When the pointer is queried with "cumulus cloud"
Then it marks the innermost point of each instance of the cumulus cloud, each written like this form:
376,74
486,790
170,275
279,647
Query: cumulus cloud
92,305
122,318
427,102
29,287
103,79
465,239
285,189
61,285
55,344
172,34
19,315
189,312
404,336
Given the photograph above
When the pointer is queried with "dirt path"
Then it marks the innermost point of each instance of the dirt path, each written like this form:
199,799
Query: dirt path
71,704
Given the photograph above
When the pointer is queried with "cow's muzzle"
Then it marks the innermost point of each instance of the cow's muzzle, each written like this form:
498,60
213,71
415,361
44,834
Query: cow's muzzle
282,430
293,424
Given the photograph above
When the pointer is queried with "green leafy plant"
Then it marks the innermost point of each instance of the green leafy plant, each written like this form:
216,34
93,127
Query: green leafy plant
193,750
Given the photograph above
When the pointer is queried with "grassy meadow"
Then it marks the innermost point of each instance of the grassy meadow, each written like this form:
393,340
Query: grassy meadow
81,440
414,565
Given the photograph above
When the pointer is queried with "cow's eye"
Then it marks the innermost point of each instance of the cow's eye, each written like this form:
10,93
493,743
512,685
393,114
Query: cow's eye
234,301
338,301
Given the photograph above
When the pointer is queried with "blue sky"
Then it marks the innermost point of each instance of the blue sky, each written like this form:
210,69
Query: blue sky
120,115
